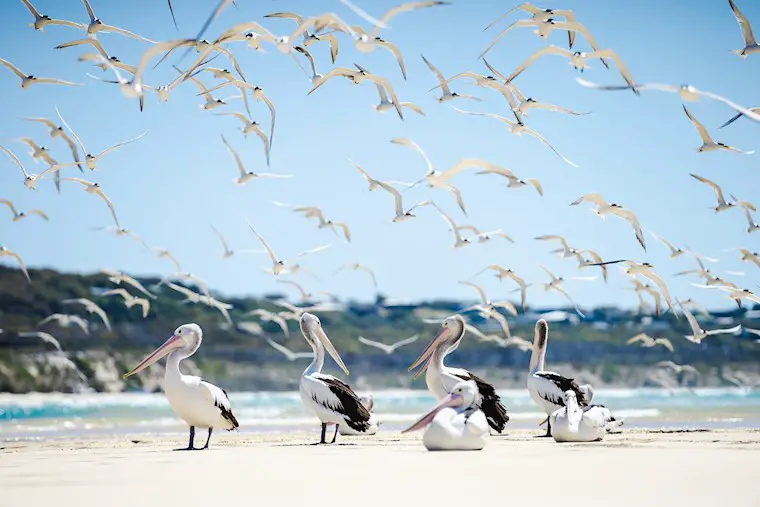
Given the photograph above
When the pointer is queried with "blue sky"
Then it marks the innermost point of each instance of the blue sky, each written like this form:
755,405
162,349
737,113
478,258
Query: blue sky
170,186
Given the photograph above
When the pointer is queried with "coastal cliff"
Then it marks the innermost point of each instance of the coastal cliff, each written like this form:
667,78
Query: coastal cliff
238,356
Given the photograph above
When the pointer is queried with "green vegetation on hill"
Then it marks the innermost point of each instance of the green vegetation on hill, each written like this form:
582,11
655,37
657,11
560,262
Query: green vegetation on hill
230,352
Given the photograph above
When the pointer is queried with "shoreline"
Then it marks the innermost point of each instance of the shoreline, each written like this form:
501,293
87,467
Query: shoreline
637,467
44,416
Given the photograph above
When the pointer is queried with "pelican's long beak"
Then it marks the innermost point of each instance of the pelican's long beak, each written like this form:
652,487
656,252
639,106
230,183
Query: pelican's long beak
322,337
452,400
175,342
427,354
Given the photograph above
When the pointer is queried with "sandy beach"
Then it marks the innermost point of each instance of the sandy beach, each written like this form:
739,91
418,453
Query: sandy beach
635,468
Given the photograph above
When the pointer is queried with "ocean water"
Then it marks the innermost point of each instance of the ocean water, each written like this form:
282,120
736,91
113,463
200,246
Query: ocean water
41,416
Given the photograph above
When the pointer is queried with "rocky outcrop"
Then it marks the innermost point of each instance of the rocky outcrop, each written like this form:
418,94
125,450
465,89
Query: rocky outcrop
101,371
79,372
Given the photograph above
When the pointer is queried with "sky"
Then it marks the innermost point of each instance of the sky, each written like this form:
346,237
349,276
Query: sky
173,184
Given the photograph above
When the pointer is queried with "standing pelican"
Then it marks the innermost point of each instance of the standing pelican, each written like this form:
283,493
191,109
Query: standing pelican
194,400
548,388
331,400
456,423
573,423
442,379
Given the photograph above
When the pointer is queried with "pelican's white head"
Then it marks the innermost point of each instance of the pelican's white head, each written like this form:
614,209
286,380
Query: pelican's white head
462,396
187,338
468,390
452,331
311,327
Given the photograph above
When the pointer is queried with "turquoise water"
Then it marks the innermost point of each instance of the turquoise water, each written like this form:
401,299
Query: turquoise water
30,416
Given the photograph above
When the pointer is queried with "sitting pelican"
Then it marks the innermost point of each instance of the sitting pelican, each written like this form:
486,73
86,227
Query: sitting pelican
441,379
547,388
194,400
331,400
369,403
573,423
456,423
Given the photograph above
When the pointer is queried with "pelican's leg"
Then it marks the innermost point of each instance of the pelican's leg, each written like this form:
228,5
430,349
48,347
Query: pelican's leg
324,432
548,428
335,435
190,445
209,438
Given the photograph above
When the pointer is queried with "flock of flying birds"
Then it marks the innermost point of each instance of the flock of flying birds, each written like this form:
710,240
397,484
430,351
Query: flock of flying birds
330,31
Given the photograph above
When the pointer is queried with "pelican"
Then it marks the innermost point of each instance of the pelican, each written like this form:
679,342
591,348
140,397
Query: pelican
574,423
369,403
548,388
441,380
456,423
331,400
192,399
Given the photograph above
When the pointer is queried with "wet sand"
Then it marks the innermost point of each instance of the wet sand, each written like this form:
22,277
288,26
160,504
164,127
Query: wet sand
635,468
